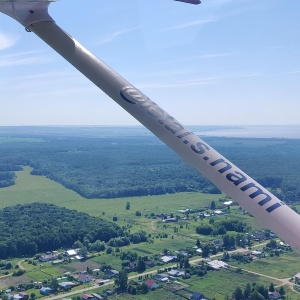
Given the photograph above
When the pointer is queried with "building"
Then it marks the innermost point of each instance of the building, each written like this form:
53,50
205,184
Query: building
66,285
297,278
217,264
46,291
111,273
166,258
19,296
84,278
176,273
97,296
87,297
71,253
161,277
152,285
48,257
274,295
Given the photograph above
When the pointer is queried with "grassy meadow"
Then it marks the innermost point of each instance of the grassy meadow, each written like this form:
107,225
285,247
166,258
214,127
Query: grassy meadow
29,189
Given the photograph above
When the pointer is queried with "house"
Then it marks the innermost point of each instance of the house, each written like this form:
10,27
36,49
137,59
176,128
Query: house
79,257
199,251
66,285
297,278
71,252
102,281
274,295
149,264
217,264
108,292
151,284
176,273
166,259
258,236
97,296
48,257
133,266
183,211
84,278
257,253
111,273
24,295
20,296
57,261
17,297
173,272
228,203
170,220
87,297
196,296
161,277
133,282
45,291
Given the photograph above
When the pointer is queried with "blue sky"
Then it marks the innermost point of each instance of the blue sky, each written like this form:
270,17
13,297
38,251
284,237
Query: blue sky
224,62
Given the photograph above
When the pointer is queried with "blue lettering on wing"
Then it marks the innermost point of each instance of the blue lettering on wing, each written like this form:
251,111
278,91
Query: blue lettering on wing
133,96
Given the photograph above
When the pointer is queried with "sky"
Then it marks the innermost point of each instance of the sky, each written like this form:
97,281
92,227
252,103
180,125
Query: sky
223,62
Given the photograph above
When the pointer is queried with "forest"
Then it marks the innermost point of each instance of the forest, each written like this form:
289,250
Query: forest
33,228
125,163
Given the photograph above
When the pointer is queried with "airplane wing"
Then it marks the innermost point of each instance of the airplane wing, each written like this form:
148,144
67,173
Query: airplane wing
190,1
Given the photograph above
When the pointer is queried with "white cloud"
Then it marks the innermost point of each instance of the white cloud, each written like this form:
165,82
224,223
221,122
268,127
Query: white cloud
7,41
57,85
197,81
214,55
194,23
112,36
22,58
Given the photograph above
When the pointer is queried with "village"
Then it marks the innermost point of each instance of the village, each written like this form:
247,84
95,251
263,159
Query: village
176,268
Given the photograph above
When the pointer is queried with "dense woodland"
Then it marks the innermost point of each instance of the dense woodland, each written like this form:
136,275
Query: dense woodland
120,163
29,229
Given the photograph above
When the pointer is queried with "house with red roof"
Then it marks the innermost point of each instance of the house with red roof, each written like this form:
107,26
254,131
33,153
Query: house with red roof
151,284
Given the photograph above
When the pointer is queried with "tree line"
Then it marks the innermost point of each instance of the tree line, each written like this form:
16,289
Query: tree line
112,167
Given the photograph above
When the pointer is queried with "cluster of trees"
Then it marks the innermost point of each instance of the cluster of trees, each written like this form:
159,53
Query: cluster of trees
7,174
222,227
254,292
112,167
122,283
26,230
38,227
131,258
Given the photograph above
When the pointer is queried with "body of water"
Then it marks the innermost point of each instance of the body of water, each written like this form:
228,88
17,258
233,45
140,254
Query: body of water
287,132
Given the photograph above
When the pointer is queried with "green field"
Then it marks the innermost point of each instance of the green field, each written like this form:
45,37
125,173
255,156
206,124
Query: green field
285,266
29,189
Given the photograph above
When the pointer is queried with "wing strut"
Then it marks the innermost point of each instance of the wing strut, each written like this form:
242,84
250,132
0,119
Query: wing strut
259,202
